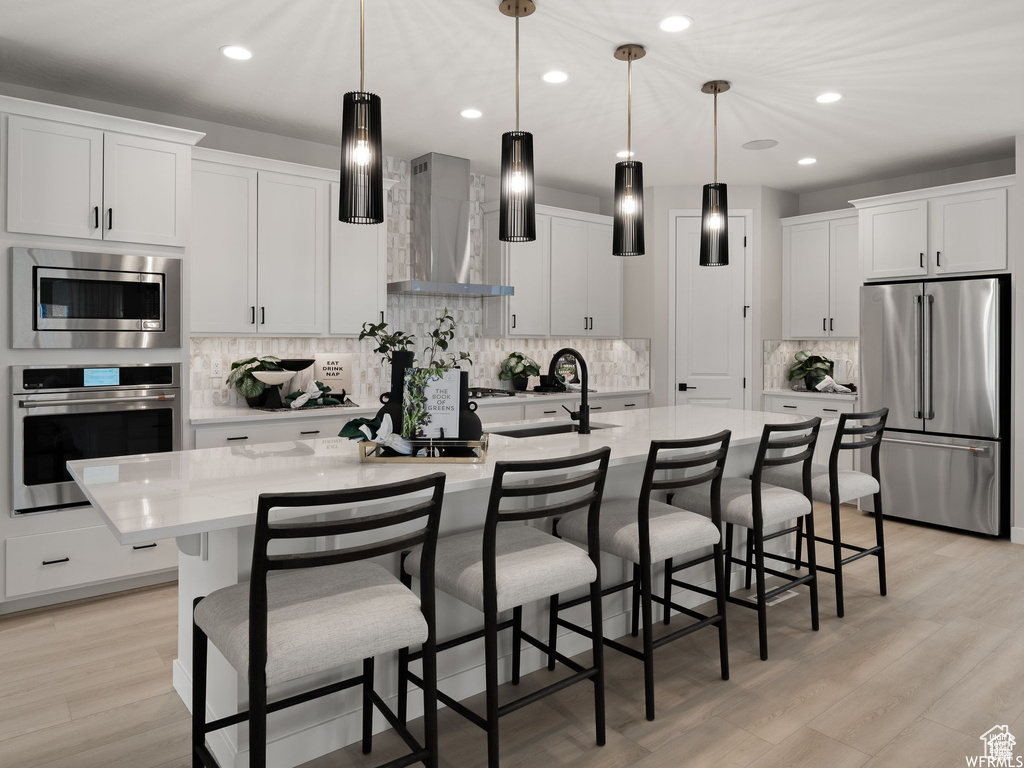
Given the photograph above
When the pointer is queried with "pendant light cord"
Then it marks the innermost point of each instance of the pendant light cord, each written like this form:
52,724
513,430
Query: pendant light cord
716,134
517,68
362,44
629,107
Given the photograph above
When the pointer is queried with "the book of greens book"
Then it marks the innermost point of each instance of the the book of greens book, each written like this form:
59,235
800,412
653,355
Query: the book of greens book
430,404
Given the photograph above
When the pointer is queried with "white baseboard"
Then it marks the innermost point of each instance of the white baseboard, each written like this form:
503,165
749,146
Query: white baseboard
1017,535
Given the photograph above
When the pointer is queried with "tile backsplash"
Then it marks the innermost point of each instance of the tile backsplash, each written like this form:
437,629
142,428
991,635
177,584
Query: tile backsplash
613,364
778,357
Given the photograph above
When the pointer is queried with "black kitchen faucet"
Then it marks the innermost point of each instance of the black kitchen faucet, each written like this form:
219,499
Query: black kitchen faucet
583,414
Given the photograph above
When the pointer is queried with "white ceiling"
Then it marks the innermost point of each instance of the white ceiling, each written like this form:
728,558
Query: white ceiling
927,84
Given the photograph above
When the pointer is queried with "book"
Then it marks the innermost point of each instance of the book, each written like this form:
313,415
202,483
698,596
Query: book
430,404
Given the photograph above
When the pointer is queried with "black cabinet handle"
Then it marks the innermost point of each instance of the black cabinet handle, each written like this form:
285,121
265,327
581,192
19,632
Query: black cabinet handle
382,315
597,407
55,562
789,406
831,410
922,261
242,437
137,547
263,315
95,217
252,315
110,218
513,319
546,412
938,258
823,324
831,324
629,405
311,432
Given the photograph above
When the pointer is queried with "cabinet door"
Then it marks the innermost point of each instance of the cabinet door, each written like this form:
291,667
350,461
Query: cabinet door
222,257
359,272
54,178
529,273
894,240
806,275
604,283
845,280
569,316
968,232
145,190
291,227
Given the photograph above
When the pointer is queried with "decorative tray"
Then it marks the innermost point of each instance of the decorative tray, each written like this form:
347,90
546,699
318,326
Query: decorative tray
435,452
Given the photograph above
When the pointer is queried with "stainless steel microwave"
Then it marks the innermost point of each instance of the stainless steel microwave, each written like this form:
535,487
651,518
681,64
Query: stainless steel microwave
74,299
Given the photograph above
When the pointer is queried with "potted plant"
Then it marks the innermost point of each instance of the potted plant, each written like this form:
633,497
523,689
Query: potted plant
811,368
253,390
518,368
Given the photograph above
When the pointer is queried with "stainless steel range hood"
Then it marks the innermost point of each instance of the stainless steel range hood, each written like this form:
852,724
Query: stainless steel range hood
440,231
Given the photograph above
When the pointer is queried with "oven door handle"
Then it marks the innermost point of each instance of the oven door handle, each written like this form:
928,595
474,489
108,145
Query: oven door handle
95,401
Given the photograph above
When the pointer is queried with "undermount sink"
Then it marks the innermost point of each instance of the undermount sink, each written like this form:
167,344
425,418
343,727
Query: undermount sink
541,430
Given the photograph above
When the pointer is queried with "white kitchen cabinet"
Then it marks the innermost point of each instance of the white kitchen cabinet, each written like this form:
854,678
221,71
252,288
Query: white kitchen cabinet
244,433
223,252
816,404
290,241
70,180
570,315
359,272
821,276
526,267
604,283
951,230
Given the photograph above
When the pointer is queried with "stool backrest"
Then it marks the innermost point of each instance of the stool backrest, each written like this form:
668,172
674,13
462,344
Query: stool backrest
803,435
426,510
712,463
854,433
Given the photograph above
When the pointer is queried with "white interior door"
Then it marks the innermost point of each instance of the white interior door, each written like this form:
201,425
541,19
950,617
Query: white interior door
710,327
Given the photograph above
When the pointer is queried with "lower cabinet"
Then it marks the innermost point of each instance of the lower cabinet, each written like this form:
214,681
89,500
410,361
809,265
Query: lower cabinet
47,561
809,405
251,434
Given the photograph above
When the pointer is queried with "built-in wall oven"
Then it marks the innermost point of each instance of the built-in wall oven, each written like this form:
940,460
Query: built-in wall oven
64,412
74,299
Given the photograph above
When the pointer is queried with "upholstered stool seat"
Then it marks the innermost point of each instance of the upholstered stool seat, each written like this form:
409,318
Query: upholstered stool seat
852,485
531,565
317,620
778,505
674,531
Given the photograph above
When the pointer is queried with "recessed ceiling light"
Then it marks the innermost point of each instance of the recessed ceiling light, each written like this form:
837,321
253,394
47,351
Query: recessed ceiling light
555,76
236,52
761,144
472,114
675,23
807,161
828,98
624,154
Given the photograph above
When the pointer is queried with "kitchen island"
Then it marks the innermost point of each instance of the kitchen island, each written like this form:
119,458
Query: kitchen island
206,500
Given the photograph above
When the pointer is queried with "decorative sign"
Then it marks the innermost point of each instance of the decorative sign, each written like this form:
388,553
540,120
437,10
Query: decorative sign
334,370
430,404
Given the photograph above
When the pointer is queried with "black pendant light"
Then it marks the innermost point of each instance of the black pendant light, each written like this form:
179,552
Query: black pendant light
714,214
362,167
517,219
628,223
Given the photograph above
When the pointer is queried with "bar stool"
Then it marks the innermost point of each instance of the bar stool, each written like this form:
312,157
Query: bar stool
644,531
327,609
833,486
754,504
504,567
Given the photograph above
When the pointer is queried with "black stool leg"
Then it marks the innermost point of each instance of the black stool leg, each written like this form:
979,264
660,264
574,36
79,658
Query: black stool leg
552,630
491,672
257,717
799,541
750,560
762,604
837,555
635,630
728,552
430,699
812,567
403,656
880,541
721,593
517,641
199,661
367,706
667,612
597,636
648,641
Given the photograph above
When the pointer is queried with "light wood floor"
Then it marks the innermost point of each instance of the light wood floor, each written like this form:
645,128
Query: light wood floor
912,679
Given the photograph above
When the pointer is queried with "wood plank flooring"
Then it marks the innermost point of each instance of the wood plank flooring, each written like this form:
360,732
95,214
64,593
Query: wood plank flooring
912,679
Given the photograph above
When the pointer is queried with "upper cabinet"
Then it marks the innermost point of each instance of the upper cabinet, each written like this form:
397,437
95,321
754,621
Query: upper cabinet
359,272
524,266
821,276
957,229
86,181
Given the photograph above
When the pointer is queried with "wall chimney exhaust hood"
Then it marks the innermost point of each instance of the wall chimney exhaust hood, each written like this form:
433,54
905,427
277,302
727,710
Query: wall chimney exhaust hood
440,231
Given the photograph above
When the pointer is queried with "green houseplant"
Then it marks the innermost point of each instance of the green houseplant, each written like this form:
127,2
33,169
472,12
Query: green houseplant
241,378
518,368
811,368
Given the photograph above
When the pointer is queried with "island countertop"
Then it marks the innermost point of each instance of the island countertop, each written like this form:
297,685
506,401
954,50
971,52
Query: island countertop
157,496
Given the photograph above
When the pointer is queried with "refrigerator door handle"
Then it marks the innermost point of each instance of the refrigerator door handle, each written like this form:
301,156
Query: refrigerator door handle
929,390
919,363
980,450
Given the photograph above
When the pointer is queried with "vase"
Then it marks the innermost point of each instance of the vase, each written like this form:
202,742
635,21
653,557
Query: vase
470,427
392,400
260,400
519,383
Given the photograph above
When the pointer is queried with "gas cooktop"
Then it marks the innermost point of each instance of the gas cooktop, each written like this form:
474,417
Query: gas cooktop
477,392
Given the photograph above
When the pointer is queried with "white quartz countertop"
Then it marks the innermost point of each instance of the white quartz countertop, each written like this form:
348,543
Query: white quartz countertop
227,414
851,396
148,497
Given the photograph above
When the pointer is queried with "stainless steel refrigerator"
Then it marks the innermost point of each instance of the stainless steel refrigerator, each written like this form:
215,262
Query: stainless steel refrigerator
936,353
